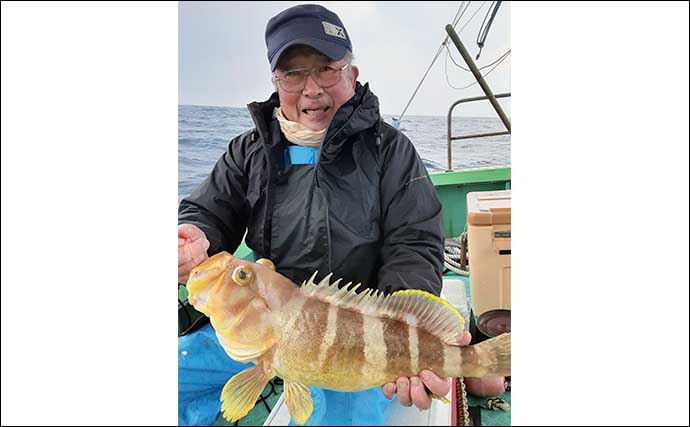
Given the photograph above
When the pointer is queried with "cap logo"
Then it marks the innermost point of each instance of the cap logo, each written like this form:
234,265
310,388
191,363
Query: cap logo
333,30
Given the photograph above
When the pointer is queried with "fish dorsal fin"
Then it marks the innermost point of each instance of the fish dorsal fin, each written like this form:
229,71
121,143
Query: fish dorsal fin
429,312
417,308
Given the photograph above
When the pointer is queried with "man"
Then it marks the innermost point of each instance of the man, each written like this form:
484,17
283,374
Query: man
322,183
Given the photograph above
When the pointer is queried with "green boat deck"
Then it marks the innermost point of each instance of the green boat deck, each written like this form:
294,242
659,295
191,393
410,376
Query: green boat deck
452,188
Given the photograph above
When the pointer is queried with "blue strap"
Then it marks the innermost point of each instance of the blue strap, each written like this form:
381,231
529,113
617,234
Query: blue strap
298,155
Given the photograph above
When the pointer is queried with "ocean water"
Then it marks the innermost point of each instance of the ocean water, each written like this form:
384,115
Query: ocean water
204,134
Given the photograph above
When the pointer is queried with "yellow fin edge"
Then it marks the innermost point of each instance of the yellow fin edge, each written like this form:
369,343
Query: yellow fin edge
435,299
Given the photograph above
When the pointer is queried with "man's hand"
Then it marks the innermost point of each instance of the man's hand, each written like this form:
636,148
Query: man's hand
412,390
191,250
485,387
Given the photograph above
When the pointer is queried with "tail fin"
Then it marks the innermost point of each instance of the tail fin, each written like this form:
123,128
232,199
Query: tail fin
498,349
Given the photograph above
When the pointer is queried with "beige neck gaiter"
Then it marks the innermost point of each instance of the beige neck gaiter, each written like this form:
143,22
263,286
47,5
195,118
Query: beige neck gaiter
299,134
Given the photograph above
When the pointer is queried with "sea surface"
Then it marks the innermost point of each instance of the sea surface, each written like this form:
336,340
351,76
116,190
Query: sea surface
204,134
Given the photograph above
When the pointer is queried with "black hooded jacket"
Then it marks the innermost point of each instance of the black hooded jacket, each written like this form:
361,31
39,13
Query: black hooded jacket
366,211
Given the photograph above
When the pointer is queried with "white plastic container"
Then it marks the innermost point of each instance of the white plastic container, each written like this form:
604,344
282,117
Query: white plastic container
488,241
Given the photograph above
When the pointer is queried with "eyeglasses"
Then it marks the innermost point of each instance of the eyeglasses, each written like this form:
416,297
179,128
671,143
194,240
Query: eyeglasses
295,80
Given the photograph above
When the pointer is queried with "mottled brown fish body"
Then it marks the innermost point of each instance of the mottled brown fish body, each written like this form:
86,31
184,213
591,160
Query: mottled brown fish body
342,349
321,345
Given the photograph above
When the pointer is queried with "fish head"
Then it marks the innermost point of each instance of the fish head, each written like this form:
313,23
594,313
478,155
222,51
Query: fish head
234,282
242,300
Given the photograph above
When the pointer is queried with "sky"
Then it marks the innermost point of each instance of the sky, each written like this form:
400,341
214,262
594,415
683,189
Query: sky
222,53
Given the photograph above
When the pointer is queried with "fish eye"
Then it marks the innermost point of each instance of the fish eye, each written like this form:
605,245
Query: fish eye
266,262
242,275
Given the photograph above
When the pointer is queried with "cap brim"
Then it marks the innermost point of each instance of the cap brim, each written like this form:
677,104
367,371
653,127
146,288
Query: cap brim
334,51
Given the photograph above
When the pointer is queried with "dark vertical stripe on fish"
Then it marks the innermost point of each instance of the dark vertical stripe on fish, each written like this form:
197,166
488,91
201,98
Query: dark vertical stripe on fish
396,338
348,346
431,355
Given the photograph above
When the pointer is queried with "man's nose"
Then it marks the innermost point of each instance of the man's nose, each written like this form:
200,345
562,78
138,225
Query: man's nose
311,88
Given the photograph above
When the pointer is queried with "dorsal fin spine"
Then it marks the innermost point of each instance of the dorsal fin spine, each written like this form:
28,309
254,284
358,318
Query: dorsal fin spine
311,279
326,280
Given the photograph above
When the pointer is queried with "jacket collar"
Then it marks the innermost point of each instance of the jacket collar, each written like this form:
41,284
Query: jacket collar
359,113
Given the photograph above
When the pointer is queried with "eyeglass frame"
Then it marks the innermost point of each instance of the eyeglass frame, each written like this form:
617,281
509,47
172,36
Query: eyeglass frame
310,72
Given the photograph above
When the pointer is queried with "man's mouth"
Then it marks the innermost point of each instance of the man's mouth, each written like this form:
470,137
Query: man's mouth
315,111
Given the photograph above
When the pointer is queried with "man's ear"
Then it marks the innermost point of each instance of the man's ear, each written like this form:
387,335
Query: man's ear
355,74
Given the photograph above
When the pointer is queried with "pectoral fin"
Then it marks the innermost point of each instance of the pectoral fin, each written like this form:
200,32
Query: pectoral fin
299,403
241,392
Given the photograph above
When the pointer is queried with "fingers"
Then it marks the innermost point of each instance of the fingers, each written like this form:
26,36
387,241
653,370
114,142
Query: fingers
389,390
466,338
182,277
485,387
191,250
418,394
403,389
189,232
413,390
437,385
184,269
197,248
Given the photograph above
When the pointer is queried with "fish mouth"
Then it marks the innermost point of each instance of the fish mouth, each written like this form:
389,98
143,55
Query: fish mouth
204,276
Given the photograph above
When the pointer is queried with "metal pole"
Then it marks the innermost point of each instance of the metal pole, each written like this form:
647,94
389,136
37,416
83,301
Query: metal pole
480,135
477,75
450,136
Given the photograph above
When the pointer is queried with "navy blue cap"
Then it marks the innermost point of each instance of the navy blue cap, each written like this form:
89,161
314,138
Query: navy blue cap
307,24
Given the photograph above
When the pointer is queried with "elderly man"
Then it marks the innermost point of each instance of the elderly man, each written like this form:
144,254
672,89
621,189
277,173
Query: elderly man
321,183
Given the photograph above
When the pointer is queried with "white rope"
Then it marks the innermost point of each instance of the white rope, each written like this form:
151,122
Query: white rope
451,256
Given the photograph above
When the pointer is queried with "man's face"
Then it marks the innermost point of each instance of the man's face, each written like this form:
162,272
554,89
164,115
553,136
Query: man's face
315,106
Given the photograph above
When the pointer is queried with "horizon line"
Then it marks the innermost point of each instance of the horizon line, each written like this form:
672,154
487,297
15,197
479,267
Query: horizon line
385,114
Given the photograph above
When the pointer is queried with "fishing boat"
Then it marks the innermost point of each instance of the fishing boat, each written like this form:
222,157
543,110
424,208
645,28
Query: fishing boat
453,188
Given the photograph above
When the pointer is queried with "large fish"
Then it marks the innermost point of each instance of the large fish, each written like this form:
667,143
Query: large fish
330,337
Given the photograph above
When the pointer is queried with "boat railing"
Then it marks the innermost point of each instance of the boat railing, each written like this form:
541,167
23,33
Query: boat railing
452,138
487,91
